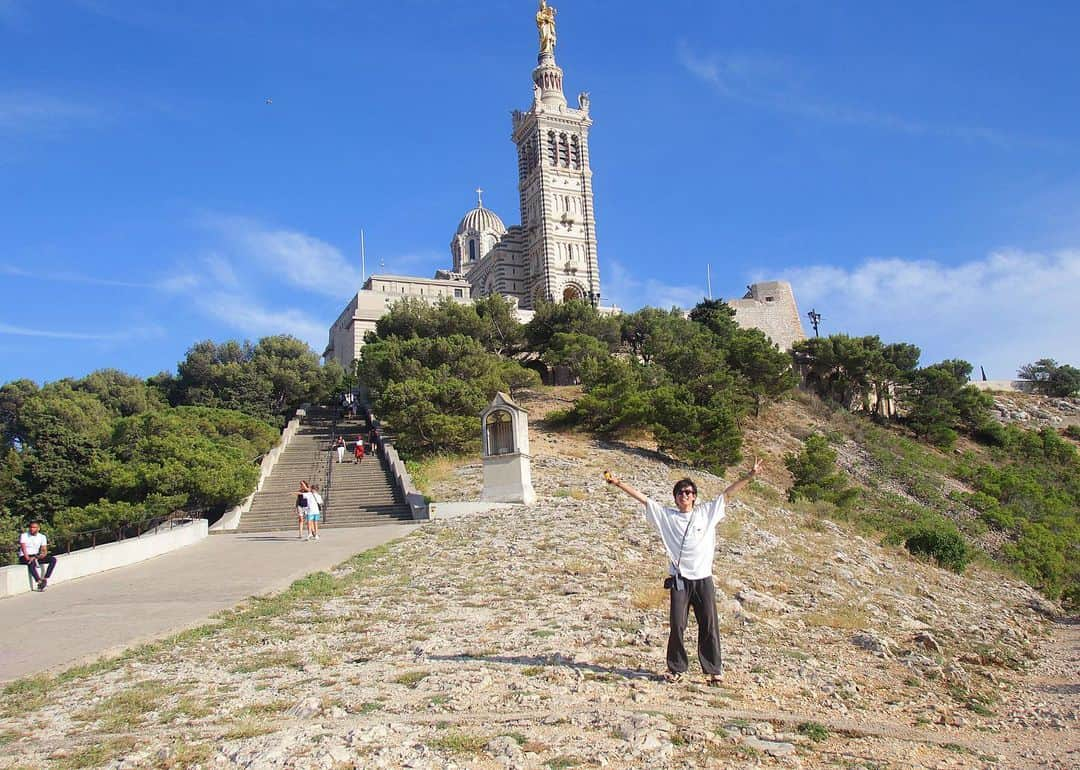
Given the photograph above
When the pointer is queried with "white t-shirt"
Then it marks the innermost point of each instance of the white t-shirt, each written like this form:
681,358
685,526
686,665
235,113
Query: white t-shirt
696,557
31,545
314,503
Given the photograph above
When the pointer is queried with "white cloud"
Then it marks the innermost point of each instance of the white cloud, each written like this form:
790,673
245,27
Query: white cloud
1000,312
294,257
63,334
63,276
623,288
32,113
246,315
775,84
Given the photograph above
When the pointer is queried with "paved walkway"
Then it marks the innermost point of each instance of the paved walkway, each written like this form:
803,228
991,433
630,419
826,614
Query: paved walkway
108,612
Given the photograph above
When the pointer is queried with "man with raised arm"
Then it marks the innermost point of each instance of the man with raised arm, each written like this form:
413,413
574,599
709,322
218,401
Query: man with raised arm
689,534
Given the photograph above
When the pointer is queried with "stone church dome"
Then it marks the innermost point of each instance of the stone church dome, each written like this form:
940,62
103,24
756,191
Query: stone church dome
481,220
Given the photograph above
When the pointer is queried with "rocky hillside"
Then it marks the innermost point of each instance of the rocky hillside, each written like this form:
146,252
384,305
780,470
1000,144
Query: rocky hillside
533,638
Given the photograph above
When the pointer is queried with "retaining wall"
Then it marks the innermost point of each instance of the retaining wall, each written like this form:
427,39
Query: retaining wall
88,561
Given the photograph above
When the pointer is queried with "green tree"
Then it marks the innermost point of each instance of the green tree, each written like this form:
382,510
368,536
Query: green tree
1050,378
840,368
815,475
268,380
650,331
500,330
574,351
616,397
574,317
430,391
120,393
941,403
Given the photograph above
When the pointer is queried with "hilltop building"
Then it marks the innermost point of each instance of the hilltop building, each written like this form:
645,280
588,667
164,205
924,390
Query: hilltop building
551,255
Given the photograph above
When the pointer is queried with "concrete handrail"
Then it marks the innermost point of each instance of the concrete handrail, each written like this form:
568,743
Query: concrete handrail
230,520
418,504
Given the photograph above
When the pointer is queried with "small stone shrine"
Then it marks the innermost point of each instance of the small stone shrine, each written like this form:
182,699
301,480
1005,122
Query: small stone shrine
505,437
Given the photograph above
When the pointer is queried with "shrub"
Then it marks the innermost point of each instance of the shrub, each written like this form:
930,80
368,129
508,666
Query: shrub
815,474
991,433
939,539
1073,432
815,731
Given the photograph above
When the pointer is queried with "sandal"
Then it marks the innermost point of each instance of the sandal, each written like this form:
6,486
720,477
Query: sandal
714,680
671,677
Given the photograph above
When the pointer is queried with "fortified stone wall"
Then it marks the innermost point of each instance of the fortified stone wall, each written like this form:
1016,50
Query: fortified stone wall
770,306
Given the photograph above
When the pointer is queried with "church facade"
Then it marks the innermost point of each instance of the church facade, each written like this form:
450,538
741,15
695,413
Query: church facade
552,255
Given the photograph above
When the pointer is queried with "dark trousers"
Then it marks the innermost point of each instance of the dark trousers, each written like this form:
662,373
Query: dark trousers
701,595
32,565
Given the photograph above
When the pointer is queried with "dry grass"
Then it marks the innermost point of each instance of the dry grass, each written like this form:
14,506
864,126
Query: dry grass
97,754
848,618
247,728
649,596
128,707
431,473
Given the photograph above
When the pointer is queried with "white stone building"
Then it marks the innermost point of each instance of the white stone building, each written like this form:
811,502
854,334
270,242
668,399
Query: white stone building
551,255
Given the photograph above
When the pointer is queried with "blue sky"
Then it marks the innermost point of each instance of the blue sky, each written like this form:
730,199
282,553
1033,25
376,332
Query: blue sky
912,168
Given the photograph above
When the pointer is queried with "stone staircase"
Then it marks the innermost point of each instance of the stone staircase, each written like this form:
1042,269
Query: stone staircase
354,495
305,458
362,494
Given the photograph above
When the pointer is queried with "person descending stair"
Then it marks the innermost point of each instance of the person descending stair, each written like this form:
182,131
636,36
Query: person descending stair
358,450
340,447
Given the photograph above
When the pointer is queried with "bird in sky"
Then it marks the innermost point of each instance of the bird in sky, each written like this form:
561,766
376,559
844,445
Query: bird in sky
269,100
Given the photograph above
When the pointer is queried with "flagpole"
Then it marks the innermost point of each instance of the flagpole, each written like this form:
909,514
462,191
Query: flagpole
363,259
708,278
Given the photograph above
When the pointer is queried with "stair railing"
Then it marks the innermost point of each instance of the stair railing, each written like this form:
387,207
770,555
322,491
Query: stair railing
418,504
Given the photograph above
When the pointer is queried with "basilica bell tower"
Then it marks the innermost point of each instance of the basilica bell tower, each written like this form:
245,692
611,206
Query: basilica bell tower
555,184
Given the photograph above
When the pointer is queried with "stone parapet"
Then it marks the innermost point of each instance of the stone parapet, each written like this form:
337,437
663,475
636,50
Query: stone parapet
88,561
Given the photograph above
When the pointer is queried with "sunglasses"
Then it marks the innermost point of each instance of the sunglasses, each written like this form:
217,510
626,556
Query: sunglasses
685,492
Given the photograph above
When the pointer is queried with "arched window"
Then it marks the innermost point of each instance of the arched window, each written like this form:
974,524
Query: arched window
472,250
575,152
552,149
500,433
564,151
571,293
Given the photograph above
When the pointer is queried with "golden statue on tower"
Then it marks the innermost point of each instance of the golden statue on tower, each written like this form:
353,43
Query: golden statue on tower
545,23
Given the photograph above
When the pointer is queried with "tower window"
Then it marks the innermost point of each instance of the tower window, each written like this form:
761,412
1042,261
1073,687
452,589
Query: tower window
575,152
552,150
472,250
564,151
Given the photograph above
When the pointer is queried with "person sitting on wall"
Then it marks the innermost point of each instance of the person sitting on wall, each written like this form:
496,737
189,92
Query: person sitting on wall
34,551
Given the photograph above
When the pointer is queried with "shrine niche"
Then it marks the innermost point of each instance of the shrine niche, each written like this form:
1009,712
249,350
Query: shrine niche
505,440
